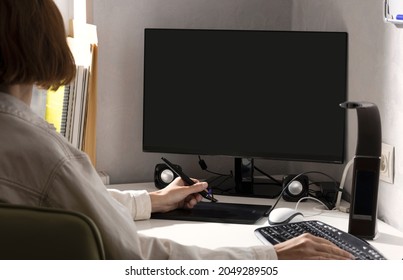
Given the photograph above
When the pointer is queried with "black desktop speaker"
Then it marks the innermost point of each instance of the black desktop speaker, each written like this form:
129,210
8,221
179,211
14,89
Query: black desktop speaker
364,189
297,189
163,175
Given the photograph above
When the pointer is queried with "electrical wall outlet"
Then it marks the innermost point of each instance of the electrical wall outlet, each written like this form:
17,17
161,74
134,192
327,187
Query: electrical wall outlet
387,168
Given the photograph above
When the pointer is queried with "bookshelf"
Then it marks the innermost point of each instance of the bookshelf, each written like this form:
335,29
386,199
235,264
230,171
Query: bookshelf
72,108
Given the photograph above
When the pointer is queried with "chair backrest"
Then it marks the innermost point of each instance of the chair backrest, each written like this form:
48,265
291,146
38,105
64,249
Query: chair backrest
35,233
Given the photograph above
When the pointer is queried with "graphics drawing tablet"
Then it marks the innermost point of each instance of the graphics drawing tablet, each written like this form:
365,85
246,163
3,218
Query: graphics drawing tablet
218,213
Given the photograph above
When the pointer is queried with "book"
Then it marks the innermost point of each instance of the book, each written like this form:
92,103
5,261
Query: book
79,119
78,107
65,110
89,137
55,106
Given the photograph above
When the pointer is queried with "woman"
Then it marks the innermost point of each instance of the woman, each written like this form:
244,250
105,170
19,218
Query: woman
38,167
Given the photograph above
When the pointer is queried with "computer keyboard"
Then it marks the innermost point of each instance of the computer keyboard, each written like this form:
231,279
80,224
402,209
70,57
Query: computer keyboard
357,247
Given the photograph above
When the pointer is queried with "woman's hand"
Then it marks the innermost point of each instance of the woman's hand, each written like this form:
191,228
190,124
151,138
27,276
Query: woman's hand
177,195
309,247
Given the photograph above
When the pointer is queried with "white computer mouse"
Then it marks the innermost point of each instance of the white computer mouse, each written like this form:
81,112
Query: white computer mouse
284,215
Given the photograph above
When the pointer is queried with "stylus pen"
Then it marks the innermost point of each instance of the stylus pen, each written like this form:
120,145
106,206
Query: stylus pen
187,180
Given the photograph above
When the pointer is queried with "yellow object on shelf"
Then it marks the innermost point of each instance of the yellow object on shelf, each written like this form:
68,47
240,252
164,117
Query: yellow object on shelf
54,107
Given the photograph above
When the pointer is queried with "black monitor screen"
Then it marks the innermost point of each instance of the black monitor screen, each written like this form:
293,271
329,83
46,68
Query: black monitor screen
258,94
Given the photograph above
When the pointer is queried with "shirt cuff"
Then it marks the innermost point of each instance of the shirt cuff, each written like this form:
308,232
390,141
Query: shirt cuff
266,252
137,202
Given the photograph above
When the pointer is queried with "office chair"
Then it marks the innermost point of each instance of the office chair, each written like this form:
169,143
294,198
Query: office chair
35,233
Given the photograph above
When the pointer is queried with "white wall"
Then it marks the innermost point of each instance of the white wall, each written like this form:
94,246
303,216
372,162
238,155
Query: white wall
375,74
120,26
375,68
66,9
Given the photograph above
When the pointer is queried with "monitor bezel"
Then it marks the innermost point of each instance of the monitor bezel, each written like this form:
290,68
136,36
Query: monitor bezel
283,157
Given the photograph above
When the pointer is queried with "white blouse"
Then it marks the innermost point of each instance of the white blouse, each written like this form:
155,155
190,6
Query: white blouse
38,167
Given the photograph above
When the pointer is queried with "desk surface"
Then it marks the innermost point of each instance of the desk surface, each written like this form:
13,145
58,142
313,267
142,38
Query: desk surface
389,240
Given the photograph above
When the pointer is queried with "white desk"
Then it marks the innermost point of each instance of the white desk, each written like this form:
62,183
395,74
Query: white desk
213,235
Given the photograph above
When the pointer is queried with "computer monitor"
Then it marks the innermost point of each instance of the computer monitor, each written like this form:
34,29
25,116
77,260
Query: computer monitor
246,94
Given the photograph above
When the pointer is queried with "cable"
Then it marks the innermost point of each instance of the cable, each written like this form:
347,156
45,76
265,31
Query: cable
203,166
324,197
216,187
270,177
312,198
343,180
293,179
282,191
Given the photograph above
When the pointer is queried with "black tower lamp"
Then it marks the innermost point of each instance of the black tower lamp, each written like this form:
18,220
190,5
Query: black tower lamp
364,192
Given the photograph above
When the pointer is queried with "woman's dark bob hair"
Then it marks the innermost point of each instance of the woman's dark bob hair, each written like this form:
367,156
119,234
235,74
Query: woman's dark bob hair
33,45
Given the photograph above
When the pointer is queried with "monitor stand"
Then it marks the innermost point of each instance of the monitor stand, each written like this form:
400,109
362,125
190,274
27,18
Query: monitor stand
244,183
